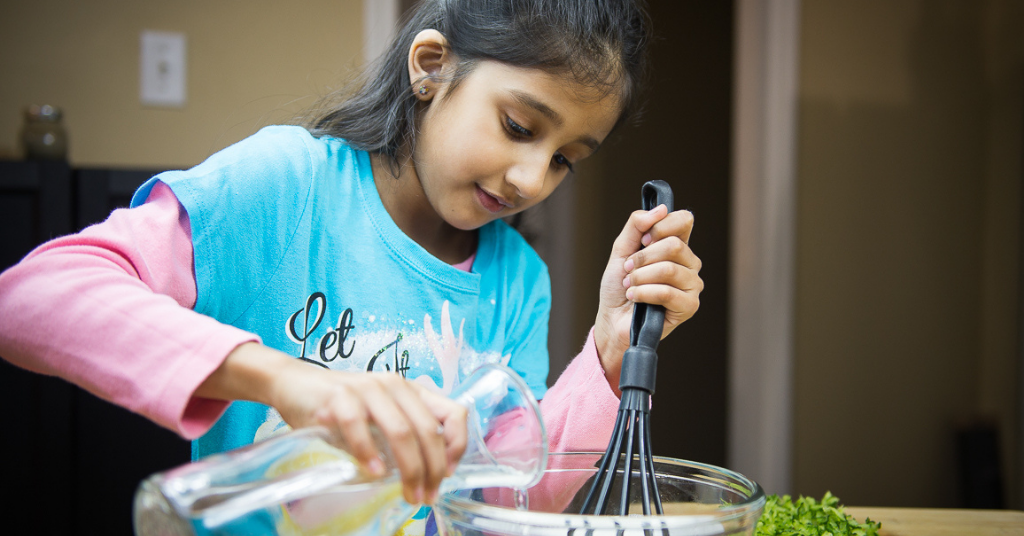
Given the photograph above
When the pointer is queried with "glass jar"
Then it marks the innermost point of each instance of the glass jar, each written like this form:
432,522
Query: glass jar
42,135
304,482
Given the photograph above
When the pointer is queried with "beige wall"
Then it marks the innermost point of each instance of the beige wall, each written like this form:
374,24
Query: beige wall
250,63
908,214
908,209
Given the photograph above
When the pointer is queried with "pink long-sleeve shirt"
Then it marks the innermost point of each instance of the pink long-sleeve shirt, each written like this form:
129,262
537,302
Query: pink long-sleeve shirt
110,309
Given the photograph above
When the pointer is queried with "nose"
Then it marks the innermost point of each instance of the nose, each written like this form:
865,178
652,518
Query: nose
527,176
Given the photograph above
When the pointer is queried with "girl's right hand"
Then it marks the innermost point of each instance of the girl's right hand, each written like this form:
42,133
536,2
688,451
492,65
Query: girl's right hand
425,431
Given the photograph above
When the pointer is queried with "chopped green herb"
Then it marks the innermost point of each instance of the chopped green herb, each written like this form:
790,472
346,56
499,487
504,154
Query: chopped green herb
807,517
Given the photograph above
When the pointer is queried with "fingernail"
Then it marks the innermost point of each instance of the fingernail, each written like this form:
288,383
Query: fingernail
432,498
653,210
629,294
419,495
625,282
646,239
628,266
376,466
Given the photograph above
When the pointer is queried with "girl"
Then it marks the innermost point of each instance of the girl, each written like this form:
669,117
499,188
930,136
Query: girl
280,270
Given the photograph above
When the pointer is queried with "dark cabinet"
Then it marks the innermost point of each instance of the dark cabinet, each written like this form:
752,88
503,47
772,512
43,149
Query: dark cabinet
70,461
35,205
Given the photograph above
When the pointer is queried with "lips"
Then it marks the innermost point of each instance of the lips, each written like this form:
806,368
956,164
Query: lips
490,202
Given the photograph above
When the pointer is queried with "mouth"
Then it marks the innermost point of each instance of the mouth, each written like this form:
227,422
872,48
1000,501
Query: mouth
493,203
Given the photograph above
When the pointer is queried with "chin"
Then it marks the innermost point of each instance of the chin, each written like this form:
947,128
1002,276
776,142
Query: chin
471,223
471,226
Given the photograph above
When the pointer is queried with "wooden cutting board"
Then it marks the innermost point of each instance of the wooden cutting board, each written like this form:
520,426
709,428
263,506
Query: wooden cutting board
942,521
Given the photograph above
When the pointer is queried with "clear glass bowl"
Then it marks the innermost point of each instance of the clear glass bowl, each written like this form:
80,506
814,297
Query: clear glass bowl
698,500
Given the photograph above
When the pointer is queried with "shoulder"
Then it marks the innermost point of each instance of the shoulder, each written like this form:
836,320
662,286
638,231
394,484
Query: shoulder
273,161
276,147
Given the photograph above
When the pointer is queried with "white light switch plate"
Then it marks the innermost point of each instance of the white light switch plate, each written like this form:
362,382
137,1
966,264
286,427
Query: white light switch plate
162,69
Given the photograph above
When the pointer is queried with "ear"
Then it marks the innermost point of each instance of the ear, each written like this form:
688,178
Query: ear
428,57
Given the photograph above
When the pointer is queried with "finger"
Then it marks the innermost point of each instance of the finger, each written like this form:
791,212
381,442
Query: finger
678,223
456,436
638,224
682,303
671,249
349,415
401,437
453,417
665,273
429,432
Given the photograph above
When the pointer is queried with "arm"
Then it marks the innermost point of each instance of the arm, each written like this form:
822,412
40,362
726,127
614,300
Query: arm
108,309
129,336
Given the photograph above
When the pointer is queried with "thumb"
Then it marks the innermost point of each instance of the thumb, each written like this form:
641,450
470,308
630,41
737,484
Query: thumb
640,222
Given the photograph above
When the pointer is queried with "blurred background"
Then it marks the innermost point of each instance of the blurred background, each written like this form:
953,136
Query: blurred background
855,170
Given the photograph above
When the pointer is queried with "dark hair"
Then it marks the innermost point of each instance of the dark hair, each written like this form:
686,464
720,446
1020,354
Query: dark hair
599,43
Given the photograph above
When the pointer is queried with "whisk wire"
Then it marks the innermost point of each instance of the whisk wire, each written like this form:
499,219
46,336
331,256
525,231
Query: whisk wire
605,475
627,469
650,483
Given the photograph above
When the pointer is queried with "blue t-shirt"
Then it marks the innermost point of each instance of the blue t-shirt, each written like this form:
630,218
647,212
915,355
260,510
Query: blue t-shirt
292,243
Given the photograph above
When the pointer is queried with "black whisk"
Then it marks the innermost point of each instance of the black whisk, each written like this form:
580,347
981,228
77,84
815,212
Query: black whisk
632,428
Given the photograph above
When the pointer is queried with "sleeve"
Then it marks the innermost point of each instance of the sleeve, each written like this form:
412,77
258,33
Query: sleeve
108,309
580,408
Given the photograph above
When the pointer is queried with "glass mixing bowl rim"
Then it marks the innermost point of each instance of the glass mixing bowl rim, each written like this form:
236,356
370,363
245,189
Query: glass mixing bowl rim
453,504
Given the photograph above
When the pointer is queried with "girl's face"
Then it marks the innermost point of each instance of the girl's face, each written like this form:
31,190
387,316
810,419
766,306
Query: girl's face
504,139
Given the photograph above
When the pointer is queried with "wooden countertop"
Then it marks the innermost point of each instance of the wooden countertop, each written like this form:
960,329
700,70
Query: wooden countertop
942,521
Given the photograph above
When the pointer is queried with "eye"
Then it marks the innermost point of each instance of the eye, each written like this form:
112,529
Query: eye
517,130
562,161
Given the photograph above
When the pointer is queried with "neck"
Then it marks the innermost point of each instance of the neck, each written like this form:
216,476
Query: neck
408,206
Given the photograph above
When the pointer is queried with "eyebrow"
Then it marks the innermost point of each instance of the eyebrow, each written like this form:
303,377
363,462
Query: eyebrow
545,110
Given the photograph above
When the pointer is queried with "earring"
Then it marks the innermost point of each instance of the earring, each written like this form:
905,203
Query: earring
423,90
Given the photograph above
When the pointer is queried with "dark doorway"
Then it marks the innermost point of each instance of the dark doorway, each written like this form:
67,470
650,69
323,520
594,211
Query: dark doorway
684,138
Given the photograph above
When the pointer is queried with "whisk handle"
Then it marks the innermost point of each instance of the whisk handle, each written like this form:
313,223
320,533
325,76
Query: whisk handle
649,320
656,193
639,363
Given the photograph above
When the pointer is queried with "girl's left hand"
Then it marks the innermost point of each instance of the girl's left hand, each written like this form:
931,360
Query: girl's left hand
663,273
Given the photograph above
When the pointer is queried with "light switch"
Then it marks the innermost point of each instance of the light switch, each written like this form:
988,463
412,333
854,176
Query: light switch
162,69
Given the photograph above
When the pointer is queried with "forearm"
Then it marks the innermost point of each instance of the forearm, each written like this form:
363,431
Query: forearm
248,373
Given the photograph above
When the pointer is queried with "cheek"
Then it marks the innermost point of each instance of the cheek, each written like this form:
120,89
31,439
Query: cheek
551,186
475,150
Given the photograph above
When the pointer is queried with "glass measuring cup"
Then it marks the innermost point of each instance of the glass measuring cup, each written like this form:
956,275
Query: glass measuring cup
305,483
